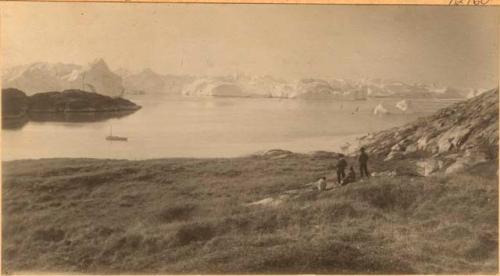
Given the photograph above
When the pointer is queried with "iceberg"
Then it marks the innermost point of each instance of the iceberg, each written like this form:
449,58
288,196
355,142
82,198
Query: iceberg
403,105
380,110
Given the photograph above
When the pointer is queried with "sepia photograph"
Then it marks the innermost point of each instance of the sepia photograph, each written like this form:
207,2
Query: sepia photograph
219,138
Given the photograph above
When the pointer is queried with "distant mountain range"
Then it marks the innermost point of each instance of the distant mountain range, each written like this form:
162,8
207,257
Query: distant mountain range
149,82
44,77
97,77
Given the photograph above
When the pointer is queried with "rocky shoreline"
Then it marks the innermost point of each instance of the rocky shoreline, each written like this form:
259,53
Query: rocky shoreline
456,137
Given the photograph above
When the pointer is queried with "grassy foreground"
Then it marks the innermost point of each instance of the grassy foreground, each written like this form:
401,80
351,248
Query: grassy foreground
191,216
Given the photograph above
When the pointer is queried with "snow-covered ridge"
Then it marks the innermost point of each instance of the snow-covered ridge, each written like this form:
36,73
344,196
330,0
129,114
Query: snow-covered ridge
309,88
43,77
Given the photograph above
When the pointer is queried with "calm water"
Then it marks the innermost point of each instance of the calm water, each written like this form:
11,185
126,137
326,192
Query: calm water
209,127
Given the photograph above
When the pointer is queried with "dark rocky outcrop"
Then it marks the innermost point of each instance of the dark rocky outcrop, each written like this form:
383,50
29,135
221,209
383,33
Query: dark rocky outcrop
454,138
14,103
68,105
77,101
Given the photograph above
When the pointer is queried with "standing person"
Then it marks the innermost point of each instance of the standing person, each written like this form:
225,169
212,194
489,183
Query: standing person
341,165
363,164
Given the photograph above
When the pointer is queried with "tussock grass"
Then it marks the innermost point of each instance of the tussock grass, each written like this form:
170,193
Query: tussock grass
176,212
191,216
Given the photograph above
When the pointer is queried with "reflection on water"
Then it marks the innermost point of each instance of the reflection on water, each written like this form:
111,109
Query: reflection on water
205,127
70,117
78,117
14,123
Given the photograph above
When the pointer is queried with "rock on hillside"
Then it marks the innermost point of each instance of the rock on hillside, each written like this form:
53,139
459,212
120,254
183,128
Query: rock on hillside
456,137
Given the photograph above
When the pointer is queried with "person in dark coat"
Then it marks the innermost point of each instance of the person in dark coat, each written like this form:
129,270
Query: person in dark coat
363,164
341,165
351,177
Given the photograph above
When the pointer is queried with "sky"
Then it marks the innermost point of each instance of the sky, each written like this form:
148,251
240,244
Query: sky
455,46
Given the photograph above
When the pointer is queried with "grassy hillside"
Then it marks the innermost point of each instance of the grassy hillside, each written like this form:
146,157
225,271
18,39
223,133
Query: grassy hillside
192,216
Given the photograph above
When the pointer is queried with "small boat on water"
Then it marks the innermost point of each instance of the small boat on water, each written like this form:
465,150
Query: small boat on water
112,137
116,138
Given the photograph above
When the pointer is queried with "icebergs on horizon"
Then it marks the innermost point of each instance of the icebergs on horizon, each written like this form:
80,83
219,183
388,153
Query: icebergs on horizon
213,87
